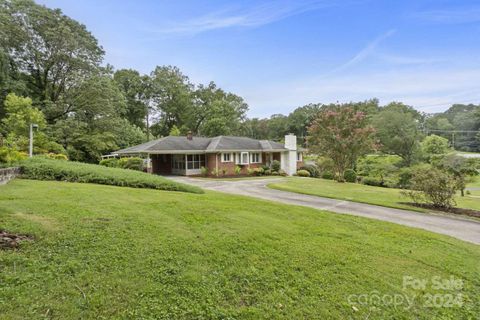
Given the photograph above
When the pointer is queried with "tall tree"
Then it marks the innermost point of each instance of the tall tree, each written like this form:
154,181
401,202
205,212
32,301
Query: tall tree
398,130
343,135
54,51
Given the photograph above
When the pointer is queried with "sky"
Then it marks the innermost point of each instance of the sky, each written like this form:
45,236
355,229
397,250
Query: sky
279,55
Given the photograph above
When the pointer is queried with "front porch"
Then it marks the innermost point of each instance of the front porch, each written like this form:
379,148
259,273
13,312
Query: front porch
177,164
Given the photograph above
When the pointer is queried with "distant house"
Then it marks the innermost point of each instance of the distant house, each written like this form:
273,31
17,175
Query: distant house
186,155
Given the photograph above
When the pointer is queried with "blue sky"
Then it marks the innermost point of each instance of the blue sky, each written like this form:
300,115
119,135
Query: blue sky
279,55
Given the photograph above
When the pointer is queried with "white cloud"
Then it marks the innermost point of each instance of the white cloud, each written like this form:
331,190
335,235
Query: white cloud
365,52
252,17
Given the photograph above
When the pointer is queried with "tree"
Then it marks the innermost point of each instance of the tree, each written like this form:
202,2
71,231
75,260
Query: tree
19,115
434,145
174,131
343,135
172,94
461,168
397,129
53,51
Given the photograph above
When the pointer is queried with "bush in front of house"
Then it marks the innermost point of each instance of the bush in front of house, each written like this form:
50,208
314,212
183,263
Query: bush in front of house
41,168
204,171
132,163
303,173
350,175
238,170
432,186
327,175
110,162
312,169
276,167
282,173
370,181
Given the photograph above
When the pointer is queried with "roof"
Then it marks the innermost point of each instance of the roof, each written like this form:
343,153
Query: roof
174,144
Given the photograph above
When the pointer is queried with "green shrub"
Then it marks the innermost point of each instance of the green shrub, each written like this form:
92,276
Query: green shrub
238,170
9,156
57,156
258,171
276,165
432,186
350,175
132,163
110,162
224,171
369,181
303,173
204,171
327,175
215,172
267,172
282,172
39,168
312,169
325,164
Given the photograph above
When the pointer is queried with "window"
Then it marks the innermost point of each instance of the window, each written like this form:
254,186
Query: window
255,157
299,156
226,157
195,161
241,158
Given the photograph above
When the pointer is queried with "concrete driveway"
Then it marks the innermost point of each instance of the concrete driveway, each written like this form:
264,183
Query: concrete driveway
459,227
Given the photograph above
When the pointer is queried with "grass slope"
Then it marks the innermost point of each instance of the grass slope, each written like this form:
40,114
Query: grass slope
106,252
39,168
387,197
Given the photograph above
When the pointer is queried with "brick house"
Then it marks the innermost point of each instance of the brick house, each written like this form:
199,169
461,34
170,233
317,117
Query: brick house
186,155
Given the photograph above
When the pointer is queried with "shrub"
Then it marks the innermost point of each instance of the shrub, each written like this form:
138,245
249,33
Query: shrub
432,186
312,169
369,181
132,163
215,172
275,173
282,172
276,166
258,171
110,162
303,173
238,170
350,175
204,171
39,168
57,156
325,164
267,172
327,175
224,171
9,156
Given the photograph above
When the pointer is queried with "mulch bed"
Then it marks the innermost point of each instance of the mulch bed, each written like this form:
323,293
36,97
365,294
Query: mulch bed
10,240
459,211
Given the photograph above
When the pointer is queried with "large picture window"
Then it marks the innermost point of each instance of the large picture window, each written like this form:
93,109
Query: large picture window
195,161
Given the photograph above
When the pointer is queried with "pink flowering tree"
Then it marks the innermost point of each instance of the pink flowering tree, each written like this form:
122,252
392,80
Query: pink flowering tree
343,135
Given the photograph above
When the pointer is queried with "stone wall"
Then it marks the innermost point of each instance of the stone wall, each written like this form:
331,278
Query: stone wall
7,174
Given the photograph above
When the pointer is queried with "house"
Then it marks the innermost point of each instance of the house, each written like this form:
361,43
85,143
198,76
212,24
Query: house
186,155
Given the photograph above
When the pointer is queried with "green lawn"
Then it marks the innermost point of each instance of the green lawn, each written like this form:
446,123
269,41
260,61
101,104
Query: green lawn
106,252
387,197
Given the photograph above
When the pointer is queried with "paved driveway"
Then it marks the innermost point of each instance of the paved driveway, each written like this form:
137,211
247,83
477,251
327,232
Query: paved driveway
462,228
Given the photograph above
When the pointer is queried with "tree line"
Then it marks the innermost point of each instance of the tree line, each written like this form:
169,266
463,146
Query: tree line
52,73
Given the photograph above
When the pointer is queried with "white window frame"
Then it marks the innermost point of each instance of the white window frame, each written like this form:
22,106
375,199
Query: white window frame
230,157
257,155
240,157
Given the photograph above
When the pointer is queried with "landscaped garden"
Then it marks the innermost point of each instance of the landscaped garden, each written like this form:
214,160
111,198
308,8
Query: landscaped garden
388,197
109,252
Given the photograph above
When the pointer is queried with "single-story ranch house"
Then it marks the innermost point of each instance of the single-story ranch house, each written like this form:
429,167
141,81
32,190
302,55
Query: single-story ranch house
186,155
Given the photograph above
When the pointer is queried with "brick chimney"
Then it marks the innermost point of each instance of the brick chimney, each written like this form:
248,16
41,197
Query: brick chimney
189,135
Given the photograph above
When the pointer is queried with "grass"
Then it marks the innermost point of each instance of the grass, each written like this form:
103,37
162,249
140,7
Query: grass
39,168
387,197
106,252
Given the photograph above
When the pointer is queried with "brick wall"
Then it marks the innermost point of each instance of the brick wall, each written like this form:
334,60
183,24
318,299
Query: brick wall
230,166
8,174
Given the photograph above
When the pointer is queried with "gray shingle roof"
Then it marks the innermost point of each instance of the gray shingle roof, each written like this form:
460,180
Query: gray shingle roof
220,143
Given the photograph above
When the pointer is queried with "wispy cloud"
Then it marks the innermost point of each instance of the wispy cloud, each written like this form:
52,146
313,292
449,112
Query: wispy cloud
452,16
366,51
246,17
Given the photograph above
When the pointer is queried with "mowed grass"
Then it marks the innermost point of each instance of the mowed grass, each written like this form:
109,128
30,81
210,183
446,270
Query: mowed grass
103,252
387,197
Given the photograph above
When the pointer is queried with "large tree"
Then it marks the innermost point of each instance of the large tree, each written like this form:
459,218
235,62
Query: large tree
53,52
341,134
398,130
